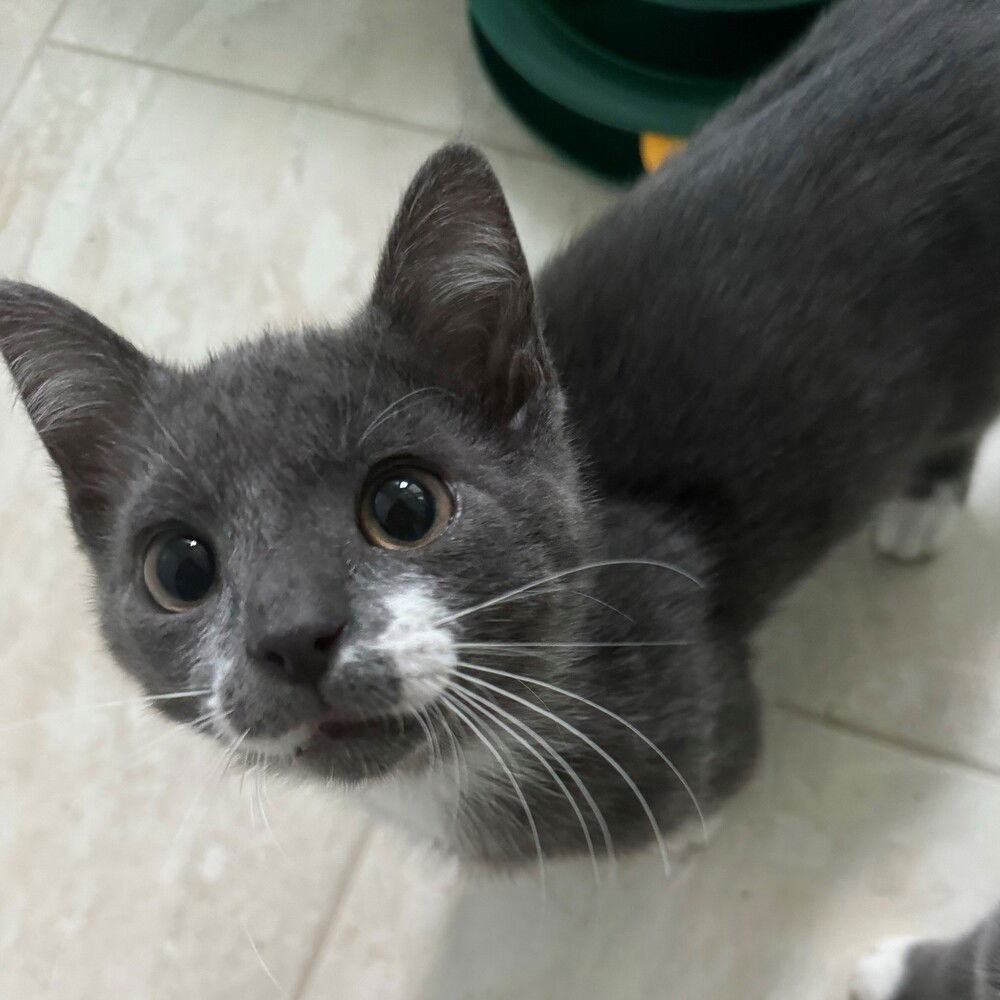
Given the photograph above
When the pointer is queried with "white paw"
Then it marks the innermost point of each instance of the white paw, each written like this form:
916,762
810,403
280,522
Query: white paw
912,530
881,972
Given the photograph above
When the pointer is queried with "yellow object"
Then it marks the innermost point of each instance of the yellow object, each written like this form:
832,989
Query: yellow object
655,148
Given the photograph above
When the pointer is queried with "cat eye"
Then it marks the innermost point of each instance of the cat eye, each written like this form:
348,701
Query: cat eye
404,508
178,570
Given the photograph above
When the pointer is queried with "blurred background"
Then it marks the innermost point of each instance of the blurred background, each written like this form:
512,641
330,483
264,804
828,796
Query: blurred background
192,170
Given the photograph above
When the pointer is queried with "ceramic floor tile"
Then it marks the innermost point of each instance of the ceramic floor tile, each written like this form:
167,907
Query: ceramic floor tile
404,60
23,26
838,842
908,651
192,213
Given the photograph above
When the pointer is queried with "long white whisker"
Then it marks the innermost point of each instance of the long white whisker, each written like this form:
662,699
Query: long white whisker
100,706
600,564
498,714
260,958
460,762
570,645
515,784
266,818
603,604
638,733
602,823
432,747
232,751
198,723
604,755
256,773
576,593
394,408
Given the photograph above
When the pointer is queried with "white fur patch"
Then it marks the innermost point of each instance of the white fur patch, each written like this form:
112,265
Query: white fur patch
424,806
880,974
911,530
427,806
422,652
283,746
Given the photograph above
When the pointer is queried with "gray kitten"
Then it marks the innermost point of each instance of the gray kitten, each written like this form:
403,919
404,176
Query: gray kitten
967,968
494,549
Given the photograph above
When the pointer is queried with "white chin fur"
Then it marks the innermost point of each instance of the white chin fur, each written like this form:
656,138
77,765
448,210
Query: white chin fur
880,974
279,747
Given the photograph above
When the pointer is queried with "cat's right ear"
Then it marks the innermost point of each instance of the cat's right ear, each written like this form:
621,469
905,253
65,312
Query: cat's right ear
82,385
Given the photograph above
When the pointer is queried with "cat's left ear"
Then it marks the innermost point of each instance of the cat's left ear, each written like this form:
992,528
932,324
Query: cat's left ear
82,385
454,279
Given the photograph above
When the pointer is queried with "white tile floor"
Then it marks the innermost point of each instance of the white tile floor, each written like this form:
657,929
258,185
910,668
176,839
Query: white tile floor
194,169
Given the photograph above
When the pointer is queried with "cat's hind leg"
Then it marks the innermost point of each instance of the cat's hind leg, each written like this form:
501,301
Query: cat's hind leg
915,525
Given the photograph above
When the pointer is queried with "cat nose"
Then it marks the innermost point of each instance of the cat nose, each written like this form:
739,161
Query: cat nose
302,654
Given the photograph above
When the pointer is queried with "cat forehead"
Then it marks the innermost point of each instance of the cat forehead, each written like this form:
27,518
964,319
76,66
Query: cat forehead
289,412
279,370
307,391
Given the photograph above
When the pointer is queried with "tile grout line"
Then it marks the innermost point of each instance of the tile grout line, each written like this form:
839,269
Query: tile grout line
43,40
319,103
927,753
353,866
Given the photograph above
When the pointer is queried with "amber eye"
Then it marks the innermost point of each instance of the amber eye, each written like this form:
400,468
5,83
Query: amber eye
179,570
404,508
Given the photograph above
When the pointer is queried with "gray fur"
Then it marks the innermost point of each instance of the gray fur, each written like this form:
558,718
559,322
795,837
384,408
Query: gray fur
740,360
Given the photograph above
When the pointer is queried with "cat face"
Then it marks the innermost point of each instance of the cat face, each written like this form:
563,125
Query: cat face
305,529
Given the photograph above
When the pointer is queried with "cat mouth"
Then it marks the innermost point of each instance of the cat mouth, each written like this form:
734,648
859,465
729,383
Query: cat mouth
339,730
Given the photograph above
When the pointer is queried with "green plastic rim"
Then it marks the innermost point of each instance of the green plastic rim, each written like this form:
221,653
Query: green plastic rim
717,6
718,44
575,73
612,154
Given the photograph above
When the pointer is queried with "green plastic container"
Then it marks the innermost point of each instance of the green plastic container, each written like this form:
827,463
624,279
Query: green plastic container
592,75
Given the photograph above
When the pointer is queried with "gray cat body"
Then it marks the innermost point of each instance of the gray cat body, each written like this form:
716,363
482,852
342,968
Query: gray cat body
812,322
499,556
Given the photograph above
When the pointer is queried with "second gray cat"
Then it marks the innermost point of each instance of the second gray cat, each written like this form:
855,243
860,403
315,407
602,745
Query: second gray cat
494,549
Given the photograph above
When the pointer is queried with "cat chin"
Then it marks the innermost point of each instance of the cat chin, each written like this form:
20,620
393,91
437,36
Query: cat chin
353,762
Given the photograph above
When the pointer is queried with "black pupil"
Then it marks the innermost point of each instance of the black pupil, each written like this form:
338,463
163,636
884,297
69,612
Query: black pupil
185,569
404,508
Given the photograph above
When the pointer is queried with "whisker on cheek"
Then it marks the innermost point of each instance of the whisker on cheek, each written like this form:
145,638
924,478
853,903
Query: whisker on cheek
572,645
494,751
102,706
497,716
230,757
561,574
